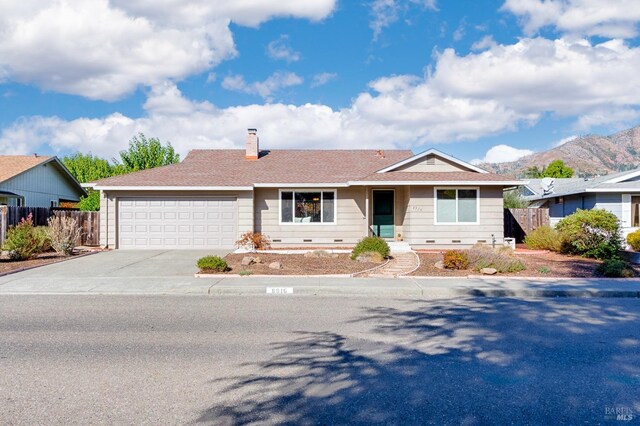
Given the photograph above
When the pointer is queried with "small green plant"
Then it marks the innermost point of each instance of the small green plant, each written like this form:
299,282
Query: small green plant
24,241
544,238
544,270
615,268
633,239
481,256
245,273
455,259
212,263
42,233
376,244
591,233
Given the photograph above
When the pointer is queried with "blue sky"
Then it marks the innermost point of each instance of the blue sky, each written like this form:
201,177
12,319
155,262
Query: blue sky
480,80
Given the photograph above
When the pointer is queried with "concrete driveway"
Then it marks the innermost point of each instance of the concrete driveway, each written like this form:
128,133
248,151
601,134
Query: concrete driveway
113,271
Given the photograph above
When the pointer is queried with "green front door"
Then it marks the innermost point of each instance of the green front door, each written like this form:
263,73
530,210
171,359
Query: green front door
383,213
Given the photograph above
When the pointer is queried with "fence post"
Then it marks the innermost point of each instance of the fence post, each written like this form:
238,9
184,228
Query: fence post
3,224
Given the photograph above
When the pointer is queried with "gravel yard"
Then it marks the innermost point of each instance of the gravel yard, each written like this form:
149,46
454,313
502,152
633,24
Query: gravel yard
297,264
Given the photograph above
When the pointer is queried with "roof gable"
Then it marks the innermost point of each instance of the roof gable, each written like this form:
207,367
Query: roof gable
623,176
441,163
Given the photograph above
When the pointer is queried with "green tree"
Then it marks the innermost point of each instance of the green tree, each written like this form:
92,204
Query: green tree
533,172
146,153
513,200
88,168
557,169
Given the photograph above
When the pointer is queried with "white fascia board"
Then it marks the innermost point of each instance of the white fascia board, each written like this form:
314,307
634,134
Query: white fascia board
434,152
624,177
173,188
88,185
438,183
301,185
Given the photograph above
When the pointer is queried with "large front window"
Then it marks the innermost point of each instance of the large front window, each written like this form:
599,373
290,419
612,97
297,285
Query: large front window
307,206
456,206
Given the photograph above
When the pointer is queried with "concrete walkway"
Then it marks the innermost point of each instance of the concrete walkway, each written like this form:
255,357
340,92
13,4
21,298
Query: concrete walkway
400,264
172,272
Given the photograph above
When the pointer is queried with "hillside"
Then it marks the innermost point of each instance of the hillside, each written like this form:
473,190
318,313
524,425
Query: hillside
586,155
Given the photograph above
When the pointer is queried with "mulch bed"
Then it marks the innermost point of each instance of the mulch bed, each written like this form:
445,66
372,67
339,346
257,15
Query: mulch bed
7,265
297,264
558,265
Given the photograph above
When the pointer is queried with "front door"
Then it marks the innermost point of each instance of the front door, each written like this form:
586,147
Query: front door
383,207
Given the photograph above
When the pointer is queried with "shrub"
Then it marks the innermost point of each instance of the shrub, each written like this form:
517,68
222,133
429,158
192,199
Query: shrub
212,263
63,233
543,238
376,244
23,240
455,259
633,239
42,233
615,268
591,233
481,256
544,270
254,241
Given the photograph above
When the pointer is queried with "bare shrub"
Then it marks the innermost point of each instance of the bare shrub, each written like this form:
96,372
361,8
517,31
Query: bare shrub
63,233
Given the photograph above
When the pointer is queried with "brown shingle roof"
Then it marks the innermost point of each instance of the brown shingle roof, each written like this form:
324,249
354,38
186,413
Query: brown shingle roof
460,176
13,165
230,168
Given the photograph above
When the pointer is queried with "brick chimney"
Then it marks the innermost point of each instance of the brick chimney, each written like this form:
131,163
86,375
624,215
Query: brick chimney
253,149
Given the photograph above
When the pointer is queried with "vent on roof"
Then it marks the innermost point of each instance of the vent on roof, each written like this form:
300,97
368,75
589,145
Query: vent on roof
431,161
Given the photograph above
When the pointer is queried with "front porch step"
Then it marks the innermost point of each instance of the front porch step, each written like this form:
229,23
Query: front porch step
399,247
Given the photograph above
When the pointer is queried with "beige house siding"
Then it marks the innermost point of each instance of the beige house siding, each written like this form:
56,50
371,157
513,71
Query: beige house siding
432,163
109,214
420,223
350,226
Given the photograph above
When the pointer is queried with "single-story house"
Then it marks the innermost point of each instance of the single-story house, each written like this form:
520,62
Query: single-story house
300,198
37,181
618,193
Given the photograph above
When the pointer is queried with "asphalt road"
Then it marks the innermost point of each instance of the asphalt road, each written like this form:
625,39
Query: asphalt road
308,360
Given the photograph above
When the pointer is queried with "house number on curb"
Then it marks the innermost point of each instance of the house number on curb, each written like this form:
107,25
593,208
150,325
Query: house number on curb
279,290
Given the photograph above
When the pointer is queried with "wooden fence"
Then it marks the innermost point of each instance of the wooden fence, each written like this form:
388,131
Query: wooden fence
519,222
88,221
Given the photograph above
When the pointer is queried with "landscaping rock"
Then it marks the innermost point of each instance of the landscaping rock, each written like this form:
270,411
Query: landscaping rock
275,265
488,271
319,254
257,260
439,264
247,260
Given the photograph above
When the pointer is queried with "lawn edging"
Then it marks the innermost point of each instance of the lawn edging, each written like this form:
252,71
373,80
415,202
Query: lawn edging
60,260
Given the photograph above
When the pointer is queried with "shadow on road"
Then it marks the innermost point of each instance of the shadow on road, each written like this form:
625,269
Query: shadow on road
473,361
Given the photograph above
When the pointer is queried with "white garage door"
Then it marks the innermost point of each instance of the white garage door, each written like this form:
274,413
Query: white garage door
178,222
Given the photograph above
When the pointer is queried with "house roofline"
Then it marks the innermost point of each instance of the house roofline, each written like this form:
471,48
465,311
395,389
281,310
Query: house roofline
624,177
436,152
171,188
439,182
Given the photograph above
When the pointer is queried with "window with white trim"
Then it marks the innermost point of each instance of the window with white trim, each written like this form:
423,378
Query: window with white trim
308,206
635,211
456,206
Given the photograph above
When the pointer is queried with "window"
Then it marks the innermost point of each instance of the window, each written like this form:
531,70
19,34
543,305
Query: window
635,212
456,206
307,207
54,203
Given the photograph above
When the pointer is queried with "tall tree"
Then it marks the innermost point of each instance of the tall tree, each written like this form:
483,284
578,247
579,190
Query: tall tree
557,169
146,153
533,172
87,167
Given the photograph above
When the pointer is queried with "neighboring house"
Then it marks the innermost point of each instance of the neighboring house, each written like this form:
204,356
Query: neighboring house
297,198
618,193
36,181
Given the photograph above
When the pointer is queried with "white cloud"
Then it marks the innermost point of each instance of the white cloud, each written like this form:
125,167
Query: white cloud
266,88
614,118
485,42
502,154
386,12
563,141
539,75
323,78
279,49
104,50
607,18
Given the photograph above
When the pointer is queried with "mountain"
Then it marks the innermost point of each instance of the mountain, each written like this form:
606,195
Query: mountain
587,155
